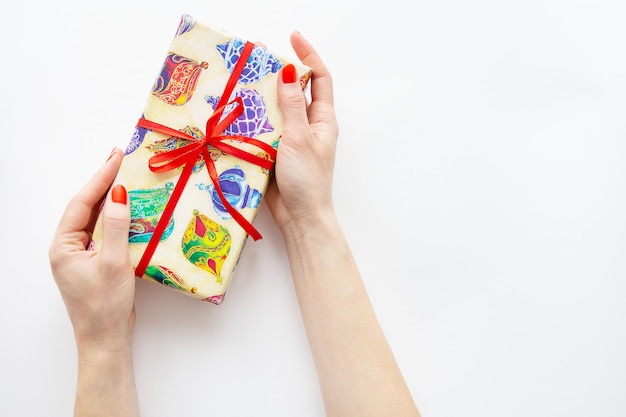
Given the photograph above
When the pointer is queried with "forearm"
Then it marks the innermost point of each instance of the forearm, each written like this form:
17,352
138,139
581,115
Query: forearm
356,368
106,384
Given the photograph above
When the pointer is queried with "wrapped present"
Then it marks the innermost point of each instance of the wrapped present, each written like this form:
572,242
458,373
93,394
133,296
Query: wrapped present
200,159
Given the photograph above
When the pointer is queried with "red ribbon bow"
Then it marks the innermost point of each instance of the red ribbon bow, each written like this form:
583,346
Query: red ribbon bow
188,155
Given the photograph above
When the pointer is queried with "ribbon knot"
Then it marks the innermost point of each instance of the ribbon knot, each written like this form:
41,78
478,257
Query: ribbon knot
198,149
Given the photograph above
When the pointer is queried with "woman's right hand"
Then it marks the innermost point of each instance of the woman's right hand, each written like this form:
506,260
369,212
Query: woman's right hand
302,190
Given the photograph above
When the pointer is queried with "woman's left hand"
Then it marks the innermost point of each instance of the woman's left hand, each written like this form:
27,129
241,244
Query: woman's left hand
98,287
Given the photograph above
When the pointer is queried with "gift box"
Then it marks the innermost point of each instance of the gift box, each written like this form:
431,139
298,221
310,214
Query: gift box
200,159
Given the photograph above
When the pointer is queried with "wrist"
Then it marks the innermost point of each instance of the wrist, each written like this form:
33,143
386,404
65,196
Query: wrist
104,335
312,245
96,352
312,229
89,346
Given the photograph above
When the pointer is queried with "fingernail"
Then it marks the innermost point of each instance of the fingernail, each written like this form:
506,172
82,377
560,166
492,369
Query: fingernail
118,194
111,154
289,74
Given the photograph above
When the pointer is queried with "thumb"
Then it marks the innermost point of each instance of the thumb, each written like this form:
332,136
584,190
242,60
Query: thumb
292,103
115,225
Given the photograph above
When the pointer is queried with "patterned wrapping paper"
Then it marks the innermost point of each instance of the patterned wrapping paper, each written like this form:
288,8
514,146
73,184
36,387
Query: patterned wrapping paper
201,245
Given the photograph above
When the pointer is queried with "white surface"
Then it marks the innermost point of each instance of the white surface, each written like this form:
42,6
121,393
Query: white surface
480,179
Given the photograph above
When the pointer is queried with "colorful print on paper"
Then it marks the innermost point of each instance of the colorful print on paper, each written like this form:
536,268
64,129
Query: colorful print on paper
215,299
176,83
260,63
236,190
146,207
136,139
206,244
253,121
304,80
185,25
173,142
168,278
267,157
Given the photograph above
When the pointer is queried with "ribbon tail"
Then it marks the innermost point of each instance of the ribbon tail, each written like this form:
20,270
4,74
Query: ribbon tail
238,217
164,220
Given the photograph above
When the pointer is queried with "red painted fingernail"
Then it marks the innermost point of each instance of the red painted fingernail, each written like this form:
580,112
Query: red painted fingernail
289,74
119,195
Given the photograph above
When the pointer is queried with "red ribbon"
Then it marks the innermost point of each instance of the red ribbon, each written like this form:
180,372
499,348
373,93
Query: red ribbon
188,155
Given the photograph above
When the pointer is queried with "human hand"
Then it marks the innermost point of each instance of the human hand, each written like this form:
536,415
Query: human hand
98,287
302,189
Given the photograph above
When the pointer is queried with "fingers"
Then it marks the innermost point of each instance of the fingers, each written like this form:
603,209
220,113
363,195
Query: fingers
115,225
84,205
321,82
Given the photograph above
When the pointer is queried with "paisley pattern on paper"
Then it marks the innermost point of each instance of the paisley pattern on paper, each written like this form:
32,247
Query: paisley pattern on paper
146,207
253,121
206,244
236,190
176,83
172,143
260,63
168,278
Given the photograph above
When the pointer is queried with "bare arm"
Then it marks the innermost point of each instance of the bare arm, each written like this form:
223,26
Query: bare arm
106,384
357,371
98,289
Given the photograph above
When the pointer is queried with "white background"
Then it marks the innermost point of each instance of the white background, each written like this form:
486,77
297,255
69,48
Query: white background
480,181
